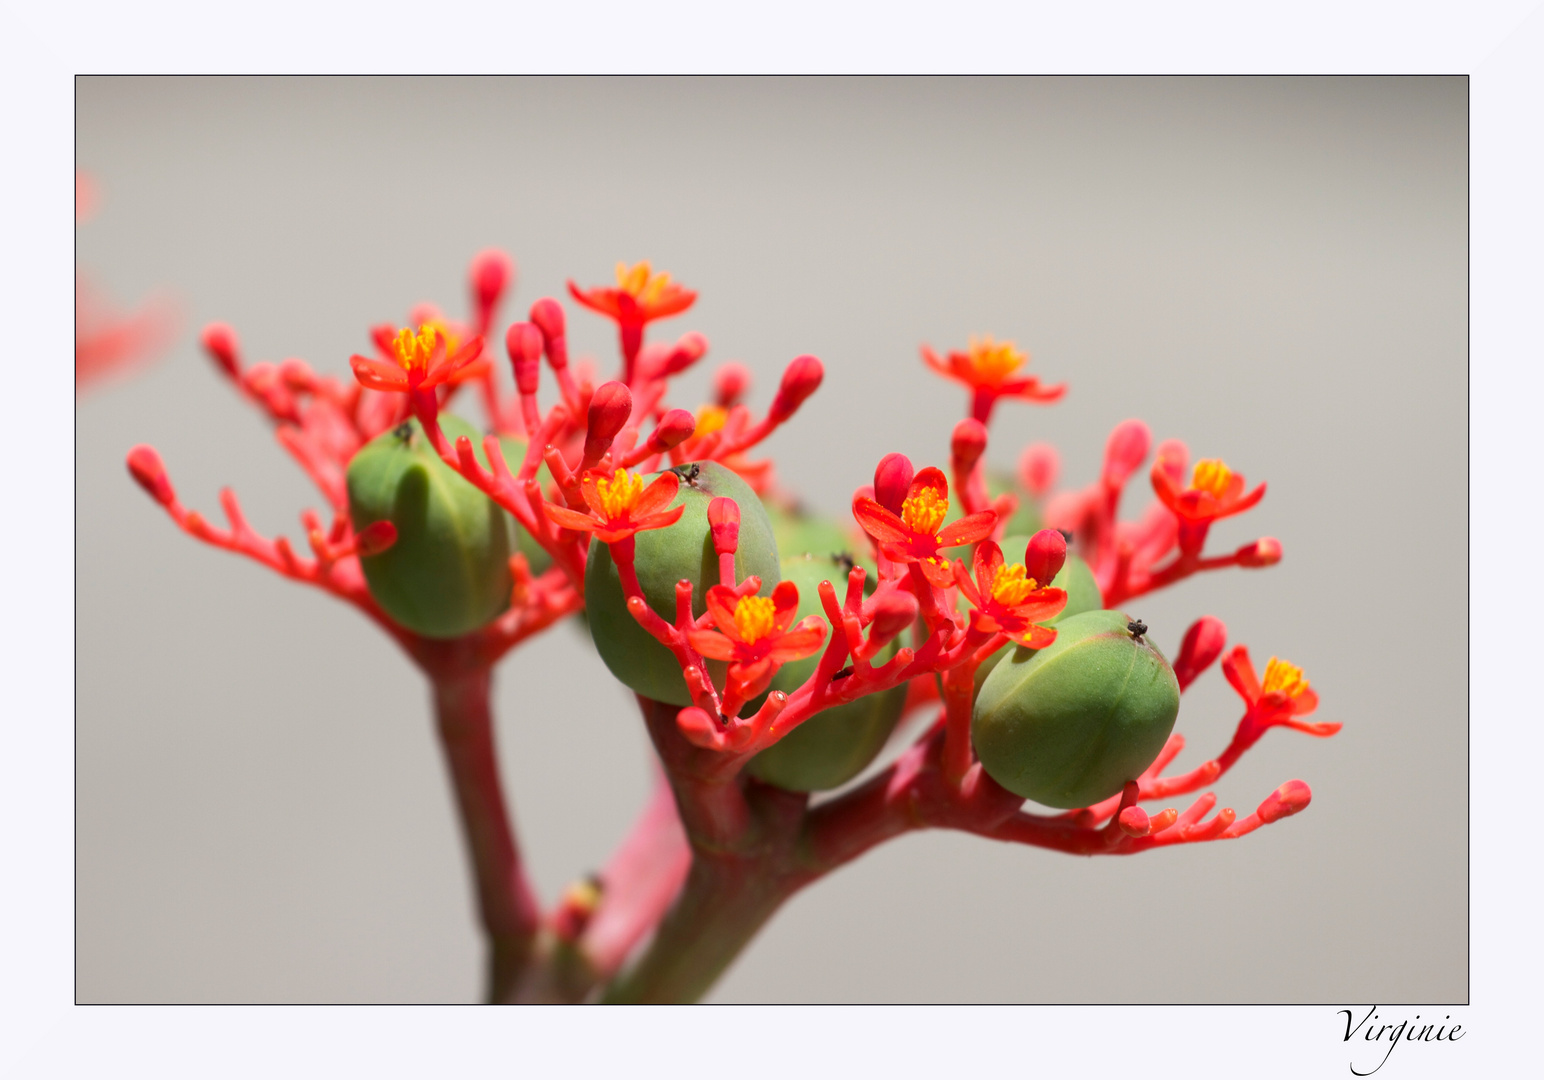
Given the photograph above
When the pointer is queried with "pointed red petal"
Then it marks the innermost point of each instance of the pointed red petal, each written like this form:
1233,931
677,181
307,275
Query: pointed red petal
799,642
662,520
988,560
968,529
785,605
930,477
968,587
879,523
1305,703
569,519
673,303
712,644
658,495
601,300
721,602
937,572
1241,674
1035,637
591,495
378,374
1245,503
1041,604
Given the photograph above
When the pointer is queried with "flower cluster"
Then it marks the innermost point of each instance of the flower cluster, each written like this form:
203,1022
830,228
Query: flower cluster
651,518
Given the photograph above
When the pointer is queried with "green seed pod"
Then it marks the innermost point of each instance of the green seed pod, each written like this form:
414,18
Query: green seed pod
1068,725
448,572
832,747
1074,577
664,557
514,453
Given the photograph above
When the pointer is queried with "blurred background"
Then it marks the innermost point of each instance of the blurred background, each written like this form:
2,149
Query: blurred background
1273,270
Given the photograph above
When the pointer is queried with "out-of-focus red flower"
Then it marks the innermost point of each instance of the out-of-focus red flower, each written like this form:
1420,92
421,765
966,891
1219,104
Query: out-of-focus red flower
1007,600
753,633
621,506
988,368
1215,491
639,296
914,536
423,361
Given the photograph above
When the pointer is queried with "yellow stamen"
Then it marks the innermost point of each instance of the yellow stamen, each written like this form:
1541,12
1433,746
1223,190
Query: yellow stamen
710,418
1010,585
1284,678
413,350
924,512
1211,476
618,494
753,618
641,283
994,361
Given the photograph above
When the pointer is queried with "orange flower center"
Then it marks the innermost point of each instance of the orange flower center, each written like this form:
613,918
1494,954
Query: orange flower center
710,418
413,350
924,512
641,283
1283,678
1010,585
994,361
1211,476
618,494
753,618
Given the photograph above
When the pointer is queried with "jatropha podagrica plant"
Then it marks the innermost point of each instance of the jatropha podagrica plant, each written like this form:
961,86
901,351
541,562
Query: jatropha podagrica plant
773,653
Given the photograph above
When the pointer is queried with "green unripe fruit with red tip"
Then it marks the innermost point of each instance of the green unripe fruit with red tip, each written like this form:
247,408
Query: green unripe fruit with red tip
1069,724
664,557
833,746
448,572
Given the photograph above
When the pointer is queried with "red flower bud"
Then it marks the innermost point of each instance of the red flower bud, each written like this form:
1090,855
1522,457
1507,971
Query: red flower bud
375,538
219,341
524,343
1265,551
610,406
490,274
1134,821
730,383
547,316
1285,801
149,472
724,522
1127,448
893,612
892,481
1173,456
800,379
968,444
686,352
1203,644
1038,466
1044,556
674,428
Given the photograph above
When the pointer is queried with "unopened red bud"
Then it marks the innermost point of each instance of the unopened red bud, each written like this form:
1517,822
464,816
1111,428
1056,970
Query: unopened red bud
297,374
219,341
375,538
800,379
1265,551
893,612
524,343
1127,448
730,383
686,352
1202,645
490,274
1038,468
674,428
1044,556
1173,455
1285,801
968,443
892,481
610,406
150,473
724,521
1134,821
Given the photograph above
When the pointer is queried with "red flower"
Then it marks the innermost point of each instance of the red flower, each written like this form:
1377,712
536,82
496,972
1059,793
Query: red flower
988,369
914,536
753,634
1283,695
621,506
640,296
1007,600
1215,491
424,361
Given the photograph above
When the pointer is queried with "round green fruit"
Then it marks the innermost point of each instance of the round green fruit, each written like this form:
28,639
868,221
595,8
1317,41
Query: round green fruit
799,532
448,572
1069,724
664,557
514,453
831,747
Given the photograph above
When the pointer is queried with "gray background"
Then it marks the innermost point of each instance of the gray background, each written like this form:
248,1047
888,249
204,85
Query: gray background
1272,270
